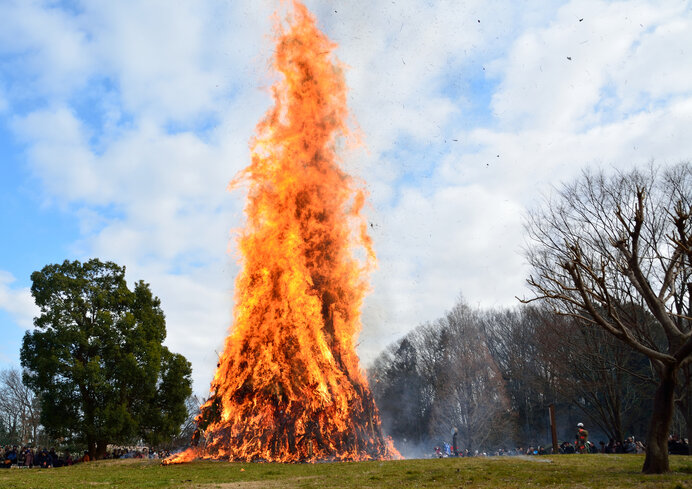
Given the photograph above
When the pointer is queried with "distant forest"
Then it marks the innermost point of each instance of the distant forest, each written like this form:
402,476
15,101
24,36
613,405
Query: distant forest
492,374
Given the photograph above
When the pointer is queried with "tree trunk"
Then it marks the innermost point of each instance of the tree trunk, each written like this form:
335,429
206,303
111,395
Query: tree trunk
101,449
656,461
91,445
686,405
686,411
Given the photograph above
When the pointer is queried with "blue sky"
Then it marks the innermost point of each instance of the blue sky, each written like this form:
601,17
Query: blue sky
121,124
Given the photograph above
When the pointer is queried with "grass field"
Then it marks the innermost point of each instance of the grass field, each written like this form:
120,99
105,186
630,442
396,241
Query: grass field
564,471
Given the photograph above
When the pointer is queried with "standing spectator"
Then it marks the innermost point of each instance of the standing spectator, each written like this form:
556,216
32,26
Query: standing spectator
5,458
29,457
582,438
629,445
455,447
55,461
11,456
42,459
640,447
610,447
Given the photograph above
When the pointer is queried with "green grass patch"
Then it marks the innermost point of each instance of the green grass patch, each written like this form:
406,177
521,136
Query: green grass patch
564,471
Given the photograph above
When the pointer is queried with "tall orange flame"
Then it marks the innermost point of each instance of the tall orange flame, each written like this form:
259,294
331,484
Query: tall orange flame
288,385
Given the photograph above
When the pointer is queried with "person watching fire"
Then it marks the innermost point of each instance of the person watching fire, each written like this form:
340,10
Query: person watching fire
582,439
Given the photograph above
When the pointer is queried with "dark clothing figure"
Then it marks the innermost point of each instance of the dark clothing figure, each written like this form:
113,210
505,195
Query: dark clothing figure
56,462
676,446
455,447
12,456
566,447
43,459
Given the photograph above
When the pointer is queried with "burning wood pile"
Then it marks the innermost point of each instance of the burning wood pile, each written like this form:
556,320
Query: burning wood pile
288,387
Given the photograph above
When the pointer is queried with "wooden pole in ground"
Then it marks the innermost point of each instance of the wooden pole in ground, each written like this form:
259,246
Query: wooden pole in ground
553,428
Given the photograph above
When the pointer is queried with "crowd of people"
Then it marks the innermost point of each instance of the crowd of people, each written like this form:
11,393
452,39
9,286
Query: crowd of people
28,457
581,444
143,452
13,456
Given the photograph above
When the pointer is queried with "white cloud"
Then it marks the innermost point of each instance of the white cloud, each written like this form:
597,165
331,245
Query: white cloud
59,156
163,60
50,52
400,55
432,248
17,301
555,77
659,64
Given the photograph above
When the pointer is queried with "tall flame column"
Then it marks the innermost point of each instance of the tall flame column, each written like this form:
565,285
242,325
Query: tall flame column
288,385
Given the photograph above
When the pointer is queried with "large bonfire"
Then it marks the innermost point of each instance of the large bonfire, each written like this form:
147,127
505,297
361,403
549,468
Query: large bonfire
288,386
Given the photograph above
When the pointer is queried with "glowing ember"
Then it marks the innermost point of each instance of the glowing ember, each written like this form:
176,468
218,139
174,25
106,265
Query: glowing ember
288,386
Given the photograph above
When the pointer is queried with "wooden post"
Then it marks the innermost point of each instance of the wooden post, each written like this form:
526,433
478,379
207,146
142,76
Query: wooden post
553,428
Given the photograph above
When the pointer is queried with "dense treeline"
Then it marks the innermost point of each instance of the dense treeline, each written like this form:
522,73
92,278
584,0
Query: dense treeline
492,374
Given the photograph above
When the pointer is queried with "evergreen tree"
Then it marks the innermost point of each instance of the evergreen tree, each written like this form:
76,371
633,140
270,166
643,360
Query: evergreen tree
97,361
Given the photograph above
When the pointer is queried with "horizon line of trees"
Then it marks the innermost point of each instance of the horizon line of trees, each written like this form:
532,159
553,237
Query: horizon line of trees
492,374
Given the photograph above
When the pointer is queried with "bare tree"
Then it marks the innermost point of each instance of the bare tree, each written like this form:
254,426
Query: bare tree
606,246
470,392
441,376
9,425
513,340
600,375
401,395
19,406
684,400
